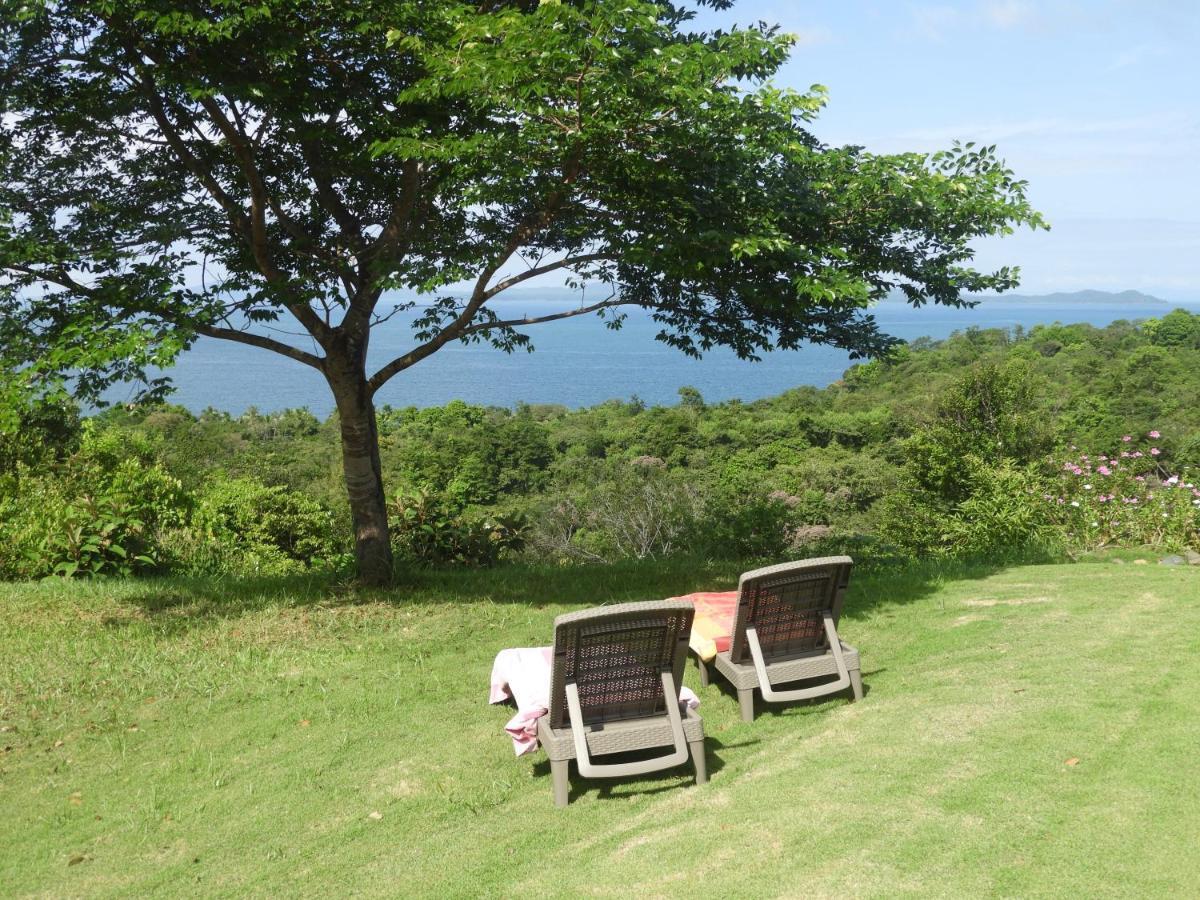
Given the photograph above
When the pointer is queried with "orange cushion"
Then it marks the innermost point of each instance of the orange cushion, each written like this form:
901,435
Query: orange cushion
713,625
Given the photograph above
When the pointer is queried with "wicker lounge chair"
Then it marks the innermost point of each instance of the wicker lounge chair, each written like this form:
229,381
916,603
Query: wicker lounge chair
615,687
785,631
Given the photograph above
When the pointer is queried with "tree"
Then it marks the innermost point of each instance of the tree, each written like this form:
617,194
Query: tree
171,169
1178,328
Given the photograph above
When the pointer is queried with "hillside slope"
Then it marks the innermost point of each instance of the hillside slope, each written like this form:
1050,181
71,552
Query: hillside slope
1025,731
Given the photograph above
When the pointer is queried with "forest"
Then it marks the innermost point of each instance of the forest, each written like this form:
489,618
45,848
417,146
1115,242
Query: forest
1055,442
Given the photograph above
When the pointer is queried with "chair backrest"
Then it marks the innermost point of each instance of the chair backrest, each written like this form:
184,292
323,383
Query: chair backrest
616,656
786,603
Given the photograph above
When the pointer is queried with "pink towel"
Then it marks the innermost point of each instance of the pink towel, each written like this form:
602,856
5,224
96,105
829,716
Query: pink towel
523,673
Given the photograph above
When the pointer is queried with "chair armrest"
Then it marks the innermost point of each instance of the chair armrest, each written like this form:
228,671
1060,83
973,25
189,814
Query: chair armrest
589,769
764,682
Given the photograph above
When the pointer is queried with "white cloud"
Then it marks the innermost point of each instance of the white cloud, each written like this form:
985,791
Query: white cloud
932,22
1162,123
1135,55
1008,13
812,37
935,21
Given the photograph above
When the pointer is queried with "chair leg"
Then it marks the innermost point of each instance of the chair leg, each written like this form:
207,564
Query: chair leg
697,750
703,667
746,702
856,683
561,784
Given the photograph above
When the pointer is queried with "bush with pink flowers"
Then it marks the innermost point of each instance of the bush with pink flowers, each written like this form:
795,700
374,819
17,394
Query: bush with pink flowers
1129,497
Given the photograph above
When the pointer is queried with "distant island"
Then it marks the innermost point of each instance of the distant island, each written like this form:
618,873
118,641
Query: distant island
1066,298
1061,298
1090,298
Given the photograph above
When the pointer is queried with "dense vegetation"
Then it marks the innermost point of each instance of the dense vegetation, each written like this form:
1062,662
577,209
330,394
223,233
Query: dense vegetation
316,162
1060,440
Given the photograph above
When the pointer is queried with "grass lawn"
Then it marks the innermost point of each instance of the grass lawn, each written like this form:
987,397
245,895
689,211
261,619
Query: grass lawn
1026,731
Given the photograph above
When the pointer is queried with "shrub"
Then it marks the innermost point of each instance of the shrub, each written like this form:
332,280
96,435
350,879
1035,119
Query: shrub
244,527
1002,515
1126,497
970,472
630,509
639,509
750,524
82,520
987,416
436,529
1178,328
36,434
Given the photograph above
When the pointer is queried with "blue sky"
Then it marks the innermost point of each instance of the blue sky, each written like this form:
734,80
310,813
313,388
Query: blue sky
1096,104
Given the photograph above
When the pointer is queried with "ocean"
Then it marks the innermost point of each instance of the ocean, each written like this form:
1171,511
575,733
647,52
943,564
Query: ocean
580,362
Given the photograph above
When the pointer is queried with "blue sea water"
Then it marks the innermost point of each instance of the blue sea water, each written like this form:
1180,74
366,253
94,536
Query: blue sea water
579,362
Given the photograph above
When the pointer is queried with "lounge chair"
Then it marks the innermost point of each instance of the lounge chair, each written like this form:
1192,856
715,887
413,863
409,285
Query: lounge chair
614,688
785,631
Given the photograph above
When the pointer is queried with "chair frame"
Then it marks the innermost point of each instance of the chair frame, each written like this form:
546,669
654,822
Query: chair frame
614,687
749,666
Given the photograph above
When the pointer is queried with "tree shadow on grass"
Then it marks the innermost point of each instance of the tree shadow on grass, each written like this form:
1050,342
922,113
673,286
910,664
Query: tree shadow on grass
811,705
875,584
641,784
176,604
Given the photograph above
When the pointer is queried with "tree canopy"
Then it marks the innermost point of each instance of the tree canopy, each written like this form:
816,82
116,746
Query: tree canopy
171,169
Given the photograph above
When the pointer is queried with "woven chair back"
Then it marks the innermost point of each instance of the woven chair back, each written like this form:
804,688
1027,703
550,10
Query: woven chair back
786,603
616,656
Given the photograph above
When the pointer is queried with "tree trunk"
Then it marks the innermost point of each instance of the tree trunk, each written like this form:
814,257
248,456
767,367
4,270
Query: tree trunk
363,473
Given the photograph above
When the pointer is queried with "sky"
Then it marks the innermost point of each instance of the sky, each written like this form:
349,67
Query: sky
1095,102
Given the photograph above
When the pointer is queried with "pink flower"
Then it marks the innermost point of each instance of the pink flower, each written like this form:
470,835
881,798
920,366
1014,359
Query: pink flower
1104,470
1154,451
1155,434
1127,438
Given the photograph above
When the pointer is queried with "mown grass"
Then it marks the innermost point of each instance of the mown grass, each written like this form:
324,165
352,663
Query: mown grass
297,738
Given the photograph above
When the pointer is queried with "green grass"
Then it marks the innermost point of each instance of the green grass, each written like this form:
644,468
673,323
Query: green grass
284,738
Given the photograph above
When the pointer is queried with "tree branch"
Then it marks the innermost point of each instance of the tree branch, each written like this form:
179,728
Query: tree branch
158,111
480,294
266,343
535,271
63,279
259,201
414,356
252,227
348,223
552,317
390,239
